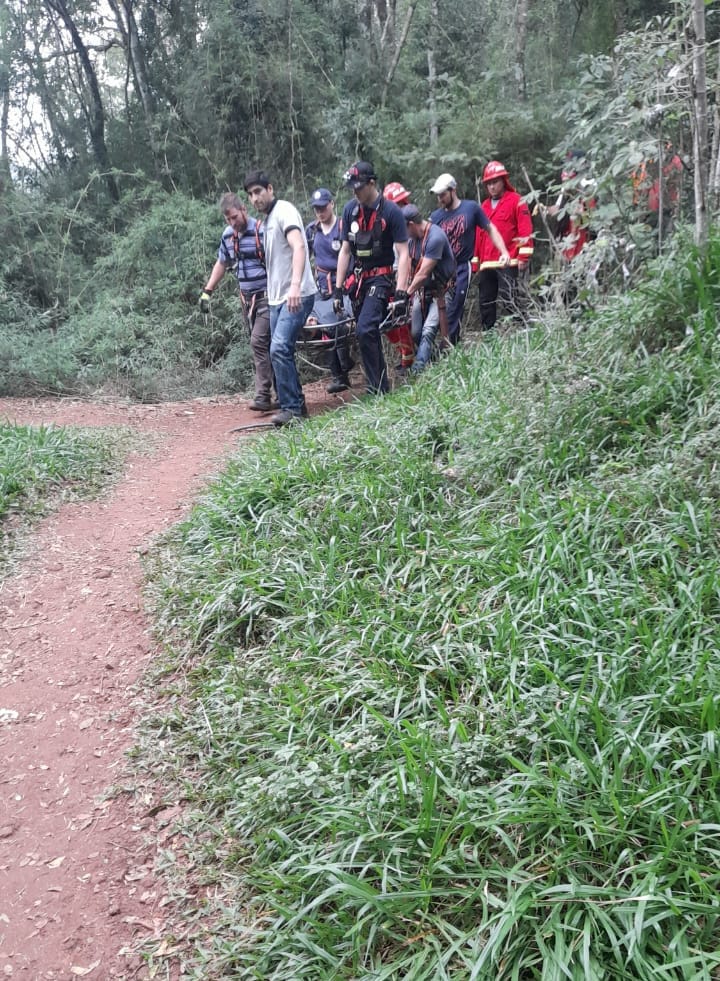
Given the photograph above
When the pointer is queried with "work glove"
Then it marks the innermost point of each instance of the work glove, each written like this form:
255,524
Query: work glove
401,305
337,298
204,301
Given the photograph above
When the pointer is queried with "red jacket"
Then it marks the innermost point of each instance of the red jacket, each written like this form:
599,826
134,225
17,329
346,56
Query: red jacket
575,231
511,217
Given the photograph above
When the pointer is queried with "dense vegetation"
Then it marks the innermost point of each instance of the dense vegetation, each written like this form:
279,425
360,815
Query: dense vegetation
442,690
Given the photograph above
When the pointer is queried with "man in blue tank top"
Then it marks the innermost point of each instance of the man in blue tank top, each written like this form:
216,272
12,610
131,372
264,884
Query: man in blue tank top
458,218
324,243
241,249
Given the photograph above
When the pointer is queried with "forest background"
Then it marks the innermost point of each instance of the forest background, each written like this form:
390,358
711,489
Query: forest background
121,124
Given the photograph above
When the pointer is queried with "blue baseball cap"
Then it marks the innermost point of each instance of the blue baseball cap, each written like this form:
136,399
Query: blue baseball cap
411,212
321,197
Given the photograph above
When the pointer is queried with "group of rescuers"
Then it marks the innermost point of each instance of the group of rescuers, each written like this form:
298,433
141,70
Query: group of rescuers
380,251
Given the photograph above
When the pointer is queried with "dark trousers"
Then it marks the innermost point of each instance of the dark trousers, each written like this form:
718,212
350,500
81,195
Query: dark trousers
370,312
339,361
455,301
494,285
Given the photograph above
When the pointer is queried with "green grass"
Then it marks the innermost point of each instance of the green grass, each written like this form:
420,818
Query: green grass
442,689
40,464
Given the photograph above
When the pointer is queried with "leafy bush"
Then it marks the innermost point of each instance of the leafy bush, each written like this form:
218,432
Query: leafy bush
136,330
677,300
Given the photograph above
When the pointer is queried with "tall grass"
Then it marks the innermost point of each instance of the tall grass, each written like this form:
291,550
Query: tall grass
40,464
452,663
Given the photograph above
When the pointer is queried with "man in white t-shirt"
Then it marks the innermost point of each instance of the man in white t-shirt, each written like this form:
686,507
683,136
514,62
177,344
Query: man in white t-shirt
290,287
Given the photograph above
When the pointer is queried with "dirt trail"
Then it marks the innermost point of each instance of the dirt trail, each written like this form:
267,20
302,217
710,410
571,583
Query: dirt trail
76,872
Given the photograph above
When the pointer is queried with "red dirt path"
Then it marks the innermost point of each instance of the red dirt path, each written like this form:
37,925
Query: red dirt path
76,870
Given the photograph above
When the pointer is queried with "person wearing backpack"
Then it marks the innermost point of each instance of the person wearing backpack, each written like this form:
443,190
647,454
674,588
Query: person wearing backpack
324,244
373,232
241,249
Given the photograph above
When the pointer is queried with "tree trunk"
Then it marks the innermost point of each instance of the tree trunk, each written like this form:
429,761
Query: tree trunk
432,73
95,110
715,154
4,116
700,122
44,88
620,16
4,98
398,50
521,19
135,54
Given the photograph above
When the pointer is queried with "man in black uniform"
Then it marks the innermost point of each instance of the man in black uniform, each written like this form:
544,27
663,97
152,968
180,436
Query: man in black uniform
374,232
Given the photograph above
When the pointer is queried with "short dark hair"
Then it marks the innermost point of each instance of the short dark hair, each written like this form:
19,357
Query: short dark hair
229,201
255,178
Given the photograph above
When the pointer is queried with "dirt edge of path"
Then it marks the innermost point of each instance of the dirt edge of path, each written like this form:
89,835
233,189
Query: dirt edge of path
78,882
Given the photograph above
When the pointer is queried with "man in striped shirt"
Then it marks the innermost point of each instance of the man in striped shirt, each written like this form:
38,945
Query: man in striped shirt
241,250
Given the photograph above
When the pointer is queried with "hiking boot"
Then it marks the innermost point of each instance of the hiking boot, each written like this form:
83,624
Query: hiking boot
263,405
346,364
338,385
284,417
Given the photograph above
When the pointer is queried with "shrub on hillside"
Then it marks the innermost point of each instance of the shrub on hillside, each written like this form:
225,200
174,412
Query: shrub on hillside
678,297
136,330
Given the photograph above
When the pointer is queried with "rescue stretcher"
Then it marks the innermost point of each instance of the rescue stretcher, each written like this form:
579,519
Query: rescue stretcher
315,335
317,340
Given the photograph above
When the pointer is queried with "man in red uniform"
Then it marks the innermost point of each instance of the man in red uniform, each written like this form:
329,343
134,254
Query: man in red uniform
511,216
658,199
571,210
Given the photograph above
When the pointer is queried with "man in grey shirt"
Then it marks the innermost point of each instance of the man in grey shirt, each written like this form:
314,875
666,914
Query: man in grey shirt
290,287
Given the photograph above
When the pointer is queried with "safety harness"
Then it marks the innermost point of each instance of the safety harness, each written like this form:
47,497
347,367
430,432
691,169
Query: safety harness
259,252
366,241
250,298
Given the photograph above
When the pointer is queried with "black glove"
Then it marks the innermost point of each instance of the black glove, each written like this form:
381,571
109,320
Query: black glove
204,301
401,305
337,298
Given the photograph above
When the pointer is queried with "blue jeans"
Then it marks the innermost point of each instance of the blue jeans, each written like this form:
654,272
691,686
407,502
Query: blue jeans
284,330
424,331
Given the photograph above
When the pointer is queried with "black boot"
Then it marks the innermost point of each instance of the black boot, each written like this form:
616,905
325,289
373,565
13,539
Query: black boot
340,384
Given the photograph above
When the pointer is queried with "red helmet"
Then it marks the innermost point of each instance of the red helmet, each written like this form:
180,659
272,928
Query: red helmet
395,192
493,170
